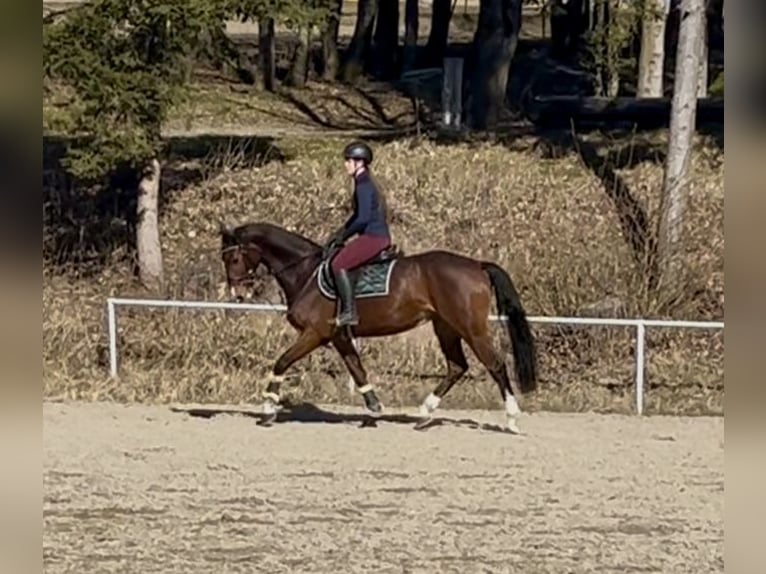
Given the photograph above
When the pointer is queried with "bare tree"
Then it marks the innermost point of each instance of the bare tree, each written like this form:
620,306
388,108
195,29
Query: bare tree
494,44
386,39
411,22
331,60
147,228
299,70
441,14
703,65
652,58
353,66
682,126
266,54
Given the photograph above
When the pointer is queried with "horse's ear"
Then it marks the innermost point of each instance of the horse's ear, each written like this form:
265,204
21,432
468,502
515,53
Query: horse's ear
226,230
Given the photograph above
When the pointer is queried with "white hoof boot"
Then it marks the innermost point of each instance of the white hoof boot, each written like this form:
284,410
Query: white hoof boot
430,404
271,408
512,412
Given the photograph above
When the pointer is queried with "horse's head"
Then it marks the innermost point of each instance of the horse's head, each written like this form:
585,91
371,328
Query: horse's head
240,261
287,256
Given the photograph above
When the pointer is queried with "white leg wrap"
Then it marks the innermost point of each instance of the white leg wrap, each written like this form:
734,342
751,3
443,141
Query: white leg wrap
430,404
270,407
511,406
364,388
271,404
512,411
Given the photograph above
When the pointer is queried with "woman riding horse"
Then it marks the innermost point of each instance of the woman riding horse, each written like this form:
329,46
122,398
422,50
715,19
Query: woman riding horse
369,222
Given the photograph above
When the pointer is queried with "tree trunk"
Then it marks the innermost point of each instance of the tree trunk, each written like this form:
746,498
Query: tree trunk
411,22
299,70
652,59
147,228
330,59
613,48
703,67
493,47
675,185
386,38
569,21
266,54
360,42
437,39
247,67
559,19
643,113
600,23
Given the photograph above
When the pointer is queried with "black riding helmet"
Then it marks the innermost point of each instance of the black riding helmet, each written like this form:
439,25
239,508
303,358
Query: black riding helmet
358,150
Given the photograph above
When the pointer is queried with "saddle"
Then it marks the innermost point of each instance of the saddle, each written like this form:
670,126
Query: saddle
391,252
372,279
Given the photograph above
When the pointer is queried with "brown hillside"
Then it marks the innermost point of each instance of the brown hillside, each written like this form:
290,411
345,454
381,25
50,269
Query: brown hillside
549,221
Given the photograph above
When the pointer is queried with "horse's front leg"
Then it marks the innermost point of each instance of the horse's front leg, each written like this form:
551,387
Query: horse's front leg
307,341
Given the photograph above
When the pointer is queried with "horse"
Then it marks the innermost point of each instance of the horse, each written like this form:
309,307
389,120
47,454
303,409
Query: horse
394,293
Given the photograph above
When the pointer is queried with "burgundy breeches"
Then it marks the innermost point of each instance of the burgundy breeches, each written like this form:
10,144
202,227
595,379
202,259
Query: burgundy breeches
359,251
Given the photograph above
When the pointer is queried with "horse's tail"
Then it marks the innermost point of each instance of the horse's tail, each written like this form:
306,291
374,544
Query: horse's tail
509,305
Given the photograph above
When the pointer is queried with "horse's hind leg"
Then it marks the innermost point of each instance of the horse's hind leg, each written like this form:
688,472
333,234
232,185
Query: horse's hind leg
490,358
345,346
457,365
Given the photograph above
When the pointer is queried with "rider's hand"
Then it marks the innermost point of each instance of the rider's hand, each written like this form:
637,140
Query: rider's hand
330,246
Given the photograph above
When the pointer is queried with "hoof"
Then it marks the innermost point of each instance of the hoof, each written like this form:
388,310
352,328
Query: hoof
513,428
270,411
369,422
425,424
377,411
372,403
268,420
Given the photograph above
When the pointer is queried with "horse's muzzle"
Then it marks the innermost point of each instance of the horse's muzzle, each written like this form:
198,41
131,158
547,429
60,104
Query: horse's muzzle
238,295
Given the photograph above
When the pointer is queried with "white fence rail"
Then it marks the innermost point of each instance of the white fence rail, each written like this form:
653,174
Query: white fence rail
639,324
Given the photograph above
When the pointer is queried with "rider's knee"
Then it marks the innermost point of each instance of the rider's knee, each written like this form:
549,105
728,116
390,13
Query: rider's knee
336,266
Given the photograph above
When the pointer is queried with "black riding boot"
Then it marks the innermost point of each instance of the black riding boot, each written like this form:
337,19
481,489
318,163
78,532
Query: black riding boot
345,287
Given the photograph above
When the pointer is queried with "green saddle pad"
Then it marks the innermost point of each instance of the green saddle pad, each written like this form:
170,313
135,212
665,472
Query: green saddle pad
372,280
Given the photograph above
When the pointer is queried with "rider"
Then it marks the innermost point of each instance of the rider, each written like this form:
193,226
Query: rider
369,222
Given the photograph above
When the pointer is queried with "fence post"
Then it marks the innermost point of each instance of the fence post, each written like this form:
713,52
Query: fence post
112,319
452,92
640,348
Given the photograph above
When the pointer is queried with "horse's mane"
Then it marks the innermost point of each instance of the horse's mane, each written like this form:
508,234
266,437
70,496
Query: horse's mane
275,235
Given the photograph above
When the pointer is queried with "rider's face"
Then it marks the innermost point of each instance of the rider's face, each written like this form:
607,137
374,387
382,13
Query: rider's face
350,166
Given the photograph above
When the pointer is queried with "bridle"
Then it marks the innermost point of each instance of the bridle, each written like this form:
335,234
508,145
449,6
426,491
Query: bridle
248,278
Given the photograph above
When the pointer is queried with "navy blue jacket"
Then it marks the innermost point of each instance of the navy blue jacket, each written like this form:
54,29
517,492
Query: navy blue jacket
368,217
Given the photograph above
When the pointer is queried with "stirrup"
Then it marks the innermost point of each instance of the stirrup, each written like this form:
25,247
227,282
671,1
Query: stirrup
345,321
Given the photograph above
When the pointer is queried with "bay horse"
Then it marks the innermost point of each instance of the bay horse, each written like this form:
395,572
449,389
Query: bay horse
451,291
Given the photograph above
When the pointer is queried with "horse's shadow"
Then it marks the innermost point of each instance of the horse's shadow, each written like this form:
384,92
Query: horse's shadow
309,413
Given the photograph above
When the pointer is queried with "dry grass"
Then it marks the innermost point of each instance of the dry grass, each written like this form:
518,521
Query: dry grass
215,105
549,222
317,106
